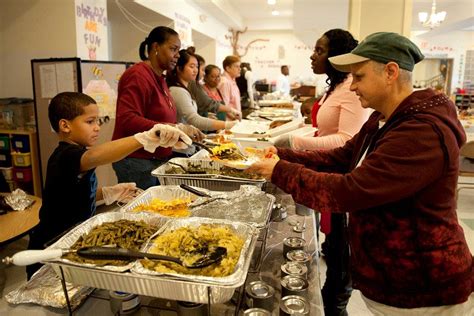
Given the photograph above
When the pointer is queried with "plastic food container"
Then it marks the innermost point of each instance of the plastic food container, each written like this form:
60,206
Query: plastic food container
7,173
22,174
21,143
5,159
4,142
21,159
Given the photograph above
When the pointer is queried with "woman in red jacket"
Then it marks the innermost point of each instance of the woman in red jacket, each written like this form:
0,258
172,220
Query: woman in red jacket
144,100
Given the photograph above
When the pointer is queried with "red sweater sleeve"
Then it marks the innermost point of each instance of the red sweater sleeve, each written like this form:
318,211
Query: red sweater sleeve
399,167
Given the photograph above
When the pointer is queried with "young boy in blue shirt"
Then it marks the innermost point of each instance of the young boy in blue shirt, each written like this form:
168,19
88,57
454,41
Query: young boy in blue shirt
70,191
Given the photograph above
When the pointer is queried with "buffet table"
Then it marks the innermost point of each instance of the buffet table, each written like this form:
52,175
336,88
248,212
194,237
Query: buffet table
98,302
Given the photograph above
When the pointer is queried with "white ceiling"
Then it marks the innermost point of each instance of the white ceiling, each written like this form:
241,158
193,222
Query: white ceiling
251,13
306,17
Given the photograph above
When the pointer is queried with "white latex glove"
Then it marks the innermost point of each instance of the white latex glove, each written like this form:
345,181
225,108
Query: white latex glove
229,124
118,192
237,115
194,133
284,141
169,136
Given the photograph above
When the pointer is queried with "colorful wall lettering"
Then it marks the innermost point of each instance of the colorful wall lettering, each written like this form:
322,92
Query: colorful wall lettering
91,29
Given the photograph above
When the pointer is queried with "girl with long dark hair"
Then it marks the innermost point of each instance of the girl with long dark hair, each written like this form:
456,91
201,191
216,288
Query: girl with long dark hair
187,70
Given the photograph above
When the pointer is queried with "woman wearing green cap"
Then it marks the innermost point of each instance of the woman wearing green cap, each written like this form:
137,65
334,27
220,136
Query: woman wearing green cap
397,180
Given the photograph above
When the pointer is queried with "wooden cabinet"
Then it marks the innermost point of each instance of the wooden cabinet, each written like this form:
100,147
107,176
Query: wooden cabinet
19,160
464,101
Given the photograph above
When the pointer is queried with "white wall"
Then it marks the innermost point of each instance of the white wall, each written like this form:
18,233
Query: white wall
125,37
32,29
200,21
447,45
282,48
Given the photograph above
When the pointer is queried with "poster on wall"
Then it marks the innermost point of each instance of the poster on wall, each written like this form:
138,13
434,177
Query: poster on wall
91,29
55,78
182,25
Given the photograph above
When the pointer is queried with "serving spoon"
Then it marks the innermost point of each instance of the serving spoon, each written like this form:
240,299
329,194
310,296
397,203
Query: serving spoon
27,257
207,259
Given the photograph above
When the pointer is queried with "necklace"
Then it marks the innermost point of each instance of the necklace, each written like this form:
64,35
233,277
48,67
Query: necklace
161,85
165,93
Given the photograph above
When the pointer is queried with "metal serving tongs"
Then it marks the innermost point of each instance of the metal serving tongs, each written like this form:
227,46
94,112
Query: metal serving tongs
200,193
204,146
129,197
27,257
197,144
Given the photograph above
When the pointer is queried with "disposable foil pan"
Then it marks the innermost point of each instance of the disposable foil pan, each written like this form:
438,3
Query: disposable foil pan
162,192
149,285
244,231
165,286
208,181
70,238
248,204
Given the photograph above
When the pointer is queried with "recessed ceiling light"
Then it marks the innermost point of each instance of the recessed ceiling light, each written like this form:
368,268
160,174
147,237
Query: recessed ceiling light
275,12
271,1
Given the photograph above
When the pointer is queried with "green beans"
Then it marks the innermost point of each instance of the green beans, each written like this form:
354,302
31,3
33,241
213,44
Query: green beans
123,233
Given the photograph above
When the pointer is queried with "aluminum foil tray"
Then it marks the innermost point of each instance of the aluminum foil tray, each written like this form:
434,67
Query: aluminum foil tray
208,181
162,192
165,286
149,285
248,233
248,204
71,237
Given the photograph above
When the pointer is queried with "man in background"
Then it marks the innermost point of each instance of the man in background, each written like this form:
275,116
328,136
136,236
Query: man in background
283,81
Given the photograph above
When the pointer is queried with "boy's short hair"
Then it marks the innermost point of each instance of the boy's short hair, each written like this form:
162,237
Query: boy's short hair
67,105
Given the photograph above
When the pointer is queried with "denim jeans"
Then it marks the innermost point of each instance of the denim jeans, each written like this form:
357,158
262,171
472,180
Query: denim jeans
137,170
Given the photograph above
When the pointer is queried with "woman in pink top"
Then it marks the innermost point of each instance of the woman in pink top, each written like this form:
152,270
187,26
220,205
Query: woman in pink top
228,87
339,118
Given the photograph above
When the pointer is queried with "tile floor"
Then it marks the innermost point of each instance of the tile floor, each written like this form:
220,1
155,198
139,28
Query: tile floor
11,277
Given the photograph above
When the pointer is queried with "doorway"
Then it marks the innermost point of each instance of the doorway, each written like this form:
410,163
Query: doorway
435,73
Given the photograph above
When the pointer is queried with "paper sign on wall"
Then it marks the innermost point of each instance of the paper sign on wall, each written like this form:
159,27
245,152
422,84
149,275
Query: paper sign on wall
91,29
182,25
55,78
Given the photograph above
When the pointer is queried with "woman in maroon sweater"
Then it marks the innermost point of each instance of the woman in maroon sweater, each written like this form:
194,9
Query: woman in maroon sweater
144,100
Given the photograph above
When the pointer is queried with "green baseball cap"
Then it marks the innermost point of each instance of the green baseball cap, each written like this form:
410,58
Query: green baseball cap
382,47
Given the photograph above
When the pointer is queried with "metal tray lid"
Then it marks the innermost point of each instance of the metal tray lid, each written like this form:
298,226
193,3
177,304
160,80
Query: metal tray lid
249,204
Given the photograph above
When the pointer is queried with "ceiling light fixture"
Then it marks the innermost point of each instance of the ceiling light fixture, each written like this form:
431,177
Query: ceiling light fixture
275,12
434,19
271,2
